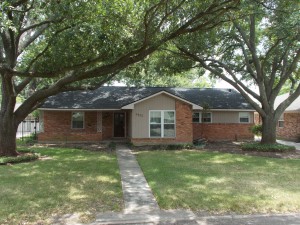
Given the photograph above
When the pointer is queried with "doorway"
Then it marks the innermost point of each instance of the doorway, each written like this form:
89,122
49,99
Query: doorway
119,124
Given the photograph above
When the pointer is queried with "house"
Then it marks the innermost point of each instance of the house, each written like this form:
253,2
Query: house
288,126
149,115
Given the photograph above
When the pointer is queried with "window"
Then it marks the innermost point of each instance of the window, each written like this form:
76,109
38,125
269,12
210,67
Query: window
244,117
281,121
77,120
162,123
206,117
196,117
199,117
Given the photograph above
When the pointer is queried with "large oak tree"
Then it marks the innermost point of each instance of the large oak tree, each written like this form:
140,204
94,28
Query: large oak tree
47,47
259,46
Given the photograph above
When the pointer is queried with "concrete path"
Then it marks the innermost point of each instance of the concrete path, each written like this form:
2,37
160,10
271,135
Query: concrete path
137,194
291,143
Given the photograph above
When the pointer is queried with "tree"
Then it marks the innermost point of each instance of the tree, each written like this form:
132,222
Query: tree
258,46
47,47
164,69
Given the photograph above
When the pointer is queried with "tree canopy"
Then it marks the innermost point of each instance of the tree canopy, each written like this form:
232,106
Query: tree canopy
47,47
259,45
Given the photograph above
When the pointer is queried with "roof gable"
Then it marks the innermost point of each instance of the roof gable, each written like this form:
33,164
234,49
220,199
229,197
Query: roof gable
131,105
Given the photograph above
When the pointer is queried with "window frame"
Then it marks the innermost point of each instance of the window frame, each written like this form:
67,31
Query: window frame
203,117
83,120
281,120
162,123
199,117
249,117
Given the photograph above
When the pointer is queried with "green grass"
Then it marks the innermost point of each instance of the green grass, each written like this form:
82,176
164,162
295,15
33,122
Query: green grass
71,180
221,183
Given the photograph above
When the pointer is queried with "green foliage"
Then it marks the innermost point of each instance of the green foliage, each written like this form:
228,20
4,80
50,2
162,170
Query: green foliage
256,129
18,159
28,140
112,146
256,146
164,69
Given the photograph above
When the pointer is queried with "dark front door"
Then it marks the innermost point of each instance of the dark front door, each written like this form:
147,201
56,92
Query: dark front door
119,125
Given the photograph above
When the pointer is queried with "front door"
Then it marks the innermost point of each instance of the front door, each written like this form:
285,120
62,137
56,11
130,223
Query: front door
119,124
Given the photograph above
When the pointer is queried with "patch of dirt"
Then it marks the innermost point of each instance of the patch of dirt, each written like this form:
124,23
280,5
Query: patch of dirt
235,148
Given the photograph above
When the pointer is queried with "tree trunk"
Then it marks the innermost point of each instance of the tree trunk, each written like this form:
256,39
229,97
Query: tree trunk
8,130
268,130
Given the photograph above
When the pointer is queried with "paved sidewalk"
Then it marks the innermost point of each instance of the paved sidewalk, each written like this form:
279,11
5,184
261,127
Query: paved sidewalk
291,143
137,194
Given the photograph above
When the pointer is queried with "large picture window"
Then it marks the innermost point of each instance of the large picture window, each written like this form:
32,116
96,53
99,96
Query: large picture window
162,123
77,120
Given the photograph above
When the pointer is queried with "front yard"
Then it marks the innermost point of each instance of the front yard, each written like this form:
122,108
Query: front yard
67,181
221,182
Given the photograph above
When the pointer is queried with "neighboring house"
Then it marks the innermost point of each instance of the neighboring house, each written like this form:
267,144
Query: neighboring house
288,126
146,115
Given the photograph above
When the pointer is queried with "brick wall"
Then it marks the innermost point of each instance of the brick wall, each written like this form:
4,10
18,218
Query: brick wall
222,131
57,127
184,128
291,129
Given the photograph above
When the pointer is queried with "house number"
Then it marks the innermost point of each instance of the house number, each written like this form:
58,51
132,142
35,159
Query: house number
139,114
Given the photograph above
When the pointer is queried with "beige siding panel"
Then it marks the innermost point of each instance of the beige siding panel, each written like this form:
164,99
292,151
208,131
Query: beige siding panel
225,117
140,113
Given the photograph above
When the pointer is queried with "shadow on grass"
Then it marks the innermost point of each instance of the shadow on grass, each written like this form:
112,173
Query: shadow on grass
222,182
71,181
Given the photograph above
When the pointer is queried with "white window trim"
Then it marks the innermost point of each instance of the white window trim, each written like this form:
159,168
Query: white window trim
41,122
200,117
211,117
162,123
99,122
83,113
249,117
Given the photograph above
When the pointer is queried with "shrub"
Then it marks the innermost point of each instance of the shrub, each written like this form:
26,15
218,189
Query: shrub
18,159
256,129
256,146
112,146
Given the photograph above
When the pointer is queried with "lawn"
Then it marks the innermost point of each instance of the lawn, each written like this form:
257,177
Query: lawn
222,183
69,181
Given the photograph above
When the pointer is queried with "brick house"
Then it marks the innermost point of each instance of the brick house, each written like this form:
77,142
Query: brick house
146,115
288,126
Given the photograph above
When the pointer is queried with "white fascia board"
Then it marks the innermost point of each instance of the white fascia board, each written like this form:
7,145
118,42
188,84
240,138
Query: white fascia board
50,109
131,105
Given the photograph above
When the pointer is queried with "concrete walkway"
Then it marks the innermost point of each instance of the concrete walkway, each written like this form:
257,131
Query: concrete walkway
291,143
137,194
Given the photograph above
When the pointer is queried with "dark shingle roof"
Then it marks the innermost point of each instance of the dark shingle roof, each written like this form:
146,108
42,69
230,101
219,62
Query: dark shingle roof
117,97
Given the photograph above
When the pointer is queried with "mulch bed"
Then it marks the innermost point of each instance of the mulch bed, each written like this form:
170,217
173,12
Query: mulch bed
235,148
95,147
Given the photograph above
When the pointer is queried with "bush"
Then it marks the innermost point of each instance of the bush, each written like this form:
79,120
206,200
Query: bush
18,159
29,140
256,129
256,146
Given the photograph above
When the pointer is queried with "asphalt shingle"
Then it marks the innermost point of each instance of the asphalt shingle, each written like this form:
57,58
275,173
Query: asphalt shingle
112,97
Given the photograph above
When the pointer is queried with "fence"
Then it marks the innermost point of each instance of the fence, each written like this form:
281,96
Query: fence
28,127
